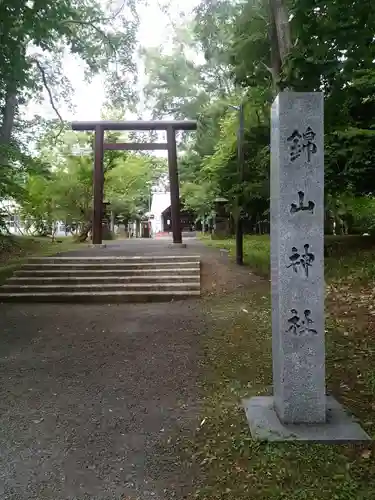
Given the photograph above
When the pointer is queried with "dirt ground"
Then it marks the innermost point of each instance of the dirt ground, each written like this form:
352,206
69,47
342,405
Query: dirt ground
92,395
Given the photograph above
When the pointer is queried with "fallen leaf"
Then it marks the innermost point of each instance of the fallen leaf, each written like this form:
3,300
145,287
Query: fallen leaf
38,421
203,421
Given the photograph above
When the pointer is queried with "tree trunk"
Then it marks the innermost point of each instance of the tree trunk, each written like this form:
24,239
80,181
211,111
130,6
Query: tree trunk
8,116
275,53
281,19
280,38
84,233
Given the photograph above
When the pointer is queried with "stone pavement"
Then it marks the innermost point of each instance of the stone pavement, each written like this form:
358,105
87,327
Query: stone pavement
92,394
142,246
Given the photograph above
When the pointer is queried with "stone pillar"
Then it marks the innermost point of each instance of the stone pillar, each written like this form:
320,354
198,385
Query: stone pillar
297,258
299,408
112,225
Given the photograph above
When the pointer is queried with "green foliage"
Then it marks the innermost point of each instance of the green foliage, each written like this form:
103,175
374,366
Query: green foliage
332,50
86,28
128,185
177,83
199,198
72,189
210,157
35,38
65,192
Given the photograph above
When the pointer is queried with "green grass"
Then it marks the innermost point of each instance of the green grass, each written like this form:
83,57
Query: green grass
238,363
356,266
15,250
256,251
346,259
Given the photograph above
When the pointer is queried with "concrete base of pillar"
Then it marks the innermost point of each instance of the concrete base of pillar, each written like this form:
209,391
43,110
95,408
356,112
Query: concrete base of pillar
266,426
177,245
97,245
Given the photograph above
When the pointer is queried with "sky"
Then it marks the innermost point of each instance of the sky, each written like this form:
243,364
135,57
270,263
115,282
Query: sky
88,98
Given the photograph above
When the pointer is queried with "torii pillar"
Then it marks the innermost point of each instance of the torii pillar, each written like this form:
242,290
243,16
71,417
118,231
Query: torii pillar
170,127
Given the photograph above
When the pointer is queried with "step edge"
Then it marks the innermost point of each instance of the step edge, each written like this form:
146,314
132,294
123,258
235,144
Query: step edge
104,265
105,285
15,279
82,294
107,270
114,258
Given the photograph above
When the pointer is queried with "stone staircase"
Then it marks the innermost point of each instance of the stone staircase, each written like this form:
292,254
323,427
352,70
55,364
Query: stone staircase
104,279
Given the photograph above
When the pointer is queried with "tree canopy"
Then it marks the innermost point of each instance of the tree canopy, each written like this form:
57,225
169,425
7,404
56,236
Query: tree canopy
252,49
227,53
36,37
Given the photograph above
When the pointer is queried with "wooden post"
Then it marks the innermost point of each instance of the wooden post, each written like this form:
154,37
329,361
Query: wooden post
98,186
240,159
170,126
174,185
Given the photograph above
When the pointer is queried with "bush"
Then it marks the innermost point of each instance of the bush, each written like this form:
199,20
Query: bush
338,246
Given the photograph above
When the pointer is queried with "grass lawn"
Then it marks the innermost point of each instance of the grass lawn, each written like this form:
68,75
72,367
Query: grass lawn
237,364
256,251
15,250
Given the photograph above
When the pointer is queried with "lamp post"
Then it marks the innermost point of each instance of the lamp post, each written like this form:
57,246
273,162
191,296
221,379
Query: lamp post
240,161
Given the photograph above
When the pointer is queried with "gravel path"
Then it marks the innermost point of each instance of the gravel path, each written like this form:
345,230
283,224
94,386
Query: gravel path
92,395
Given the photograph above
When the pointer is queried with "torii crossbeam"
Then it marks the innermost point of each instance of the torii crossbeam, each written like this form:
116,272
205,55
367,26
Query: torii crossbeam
170,127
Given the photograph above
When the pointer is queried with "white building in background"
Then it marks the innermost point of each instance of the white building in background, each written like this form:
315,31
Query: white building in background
10,210
160,201
14,224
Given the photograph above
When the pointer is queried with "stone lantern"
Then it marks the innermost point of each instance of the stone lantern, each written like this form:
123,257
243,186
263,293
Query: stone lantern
221,227
106,230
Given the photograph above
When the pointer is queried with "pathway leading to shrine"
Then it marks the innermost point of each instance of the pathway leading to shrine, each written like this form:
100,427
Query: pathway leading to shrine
92,396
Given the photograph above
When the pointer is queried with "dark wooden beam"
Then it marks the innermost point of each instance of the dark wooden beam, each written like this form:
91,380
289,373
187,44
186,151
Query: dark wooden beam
135,146
174,185
170,127
98,187
137,125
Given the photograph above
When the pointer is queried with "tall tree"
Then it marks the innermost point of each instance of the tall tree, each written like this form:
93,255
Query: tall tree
36,35
35,38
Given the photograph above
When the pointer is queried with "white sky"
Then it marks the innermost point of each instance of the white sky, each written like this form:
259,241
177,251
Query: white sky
88,98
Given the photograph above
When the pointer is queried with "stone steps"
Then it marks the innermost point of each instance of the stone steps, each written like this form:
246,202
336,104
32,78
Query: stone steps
105,266
113,258
120,271
101,297
110,287
94,279
104,279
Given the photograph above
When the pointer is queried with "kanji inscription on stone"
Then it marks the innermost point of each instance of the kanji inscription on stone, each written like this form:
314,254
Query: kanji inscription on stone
301,326
300,143
301,207
297,217
302,260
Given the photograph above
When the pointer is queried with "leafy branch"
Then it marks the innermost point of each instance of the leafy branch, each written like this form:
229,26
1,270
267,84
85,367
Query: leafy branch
96,28
50,95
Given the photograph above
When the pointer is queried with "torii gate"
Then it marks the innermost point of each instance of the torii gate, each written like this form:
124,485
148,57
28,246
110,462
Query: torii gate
170,127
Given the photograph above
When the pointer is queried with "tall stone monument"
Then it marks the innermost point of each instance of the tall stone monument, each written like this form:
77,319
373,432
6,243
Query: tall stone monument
299,408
